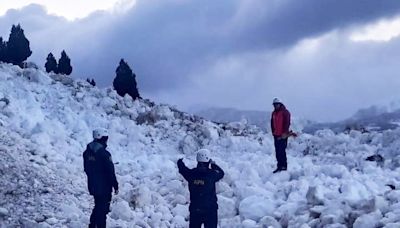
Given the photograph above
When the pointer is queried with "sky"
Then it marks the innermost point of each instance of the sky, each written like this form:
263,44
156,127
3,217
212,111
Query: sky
324,59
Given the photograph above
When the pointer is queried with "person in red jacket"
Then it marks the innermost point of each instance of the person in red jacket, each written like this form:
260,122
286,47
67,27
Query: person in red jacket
280,122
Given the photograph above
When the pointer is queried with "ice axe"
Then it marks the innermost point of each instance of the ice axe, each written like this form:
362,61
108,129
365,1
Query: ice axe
290,134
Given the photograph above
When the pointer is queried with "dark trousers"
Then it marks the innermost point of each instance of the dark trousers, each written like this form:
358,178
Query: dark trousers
100,211
280,152
208,218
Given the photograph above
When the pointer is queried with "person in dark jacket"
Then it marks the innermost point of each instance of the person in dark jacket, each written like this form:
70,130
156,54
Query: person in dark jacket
203,206
280,123
100,172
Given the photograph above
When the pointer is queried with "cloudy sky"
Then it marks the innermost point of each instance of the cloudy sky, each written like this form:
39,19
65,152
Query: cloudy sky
324,58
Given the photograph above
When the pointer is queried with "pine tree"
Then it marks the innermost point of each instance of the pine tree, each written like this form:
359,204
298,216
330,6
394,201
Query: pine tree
3,49
64,64
18,49
51,64
125,81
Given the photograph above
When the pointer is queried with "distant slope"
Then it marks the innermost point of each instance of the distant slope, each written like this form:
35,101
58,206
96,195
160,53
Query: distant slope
373,118
227,115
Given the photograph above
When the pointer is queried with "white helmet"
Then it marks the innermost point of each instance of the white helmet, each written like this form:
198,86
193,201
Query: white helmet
203,155
276,101
99,133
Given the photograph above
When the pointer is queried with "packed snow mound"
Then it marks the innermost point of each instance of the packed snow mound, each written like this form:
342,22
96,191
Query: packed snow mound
46,122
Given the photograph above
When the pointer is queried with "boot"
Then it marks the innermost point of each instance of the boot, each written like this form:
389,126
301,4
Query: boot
277,170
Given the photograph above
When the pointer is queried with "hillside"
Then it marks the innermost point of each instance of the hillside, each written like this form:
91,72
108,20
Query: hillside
46,122
375,118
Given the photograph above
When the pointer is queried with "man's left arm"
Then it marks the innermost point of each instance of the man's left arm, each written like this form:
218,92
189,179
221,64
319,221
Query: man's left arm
286,122
219,172
111,170
85,165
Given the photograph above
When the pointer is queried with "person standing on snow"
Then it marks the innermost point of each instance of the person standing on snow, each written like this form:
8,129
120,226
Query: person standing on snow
100,172
280,122
203,206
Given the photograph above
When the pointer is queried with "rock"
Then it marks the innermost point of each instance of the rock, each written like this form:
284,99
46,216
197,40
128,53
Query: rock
376,158
180,210
52,221
391,186
179,222
248,223
26,223
3,212
4,102
189,144
269,221
227,208
314,197
256,207
121,210
370,220
65,80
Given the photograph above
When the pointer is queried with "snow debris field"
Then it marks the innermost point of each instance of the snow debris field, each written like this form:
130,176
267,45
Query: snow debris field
47,120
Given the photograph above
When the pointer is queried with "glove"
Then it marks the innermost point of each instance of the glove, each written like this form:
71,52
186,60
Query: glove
212,162
294,134
180,162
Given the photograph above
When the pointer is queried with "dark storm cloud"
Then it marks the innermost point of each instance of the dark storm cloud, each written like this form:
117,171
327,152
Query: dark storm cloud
166,41
282,23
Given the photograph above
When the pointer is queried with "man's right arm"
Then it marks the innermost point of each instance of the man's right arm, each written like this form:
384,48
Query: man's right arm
85,165
286,121
185,171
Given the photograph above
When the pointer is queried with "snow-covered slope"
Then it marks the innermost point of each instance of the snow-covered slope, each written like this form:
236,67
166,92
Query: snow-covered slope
46,122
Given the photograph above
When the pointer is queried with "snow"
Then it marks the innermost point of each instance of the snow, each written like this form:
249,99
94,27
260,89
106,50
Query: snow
255,207
46,123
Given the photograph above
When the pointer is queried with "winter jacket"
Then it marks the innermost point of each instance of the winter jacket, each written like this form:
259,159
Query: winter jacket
280,121
201,182
99,169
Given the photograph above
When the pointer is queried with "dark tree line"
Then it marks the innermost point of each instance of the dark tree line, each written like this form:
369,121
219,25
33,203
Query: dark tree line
62,67
16,50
